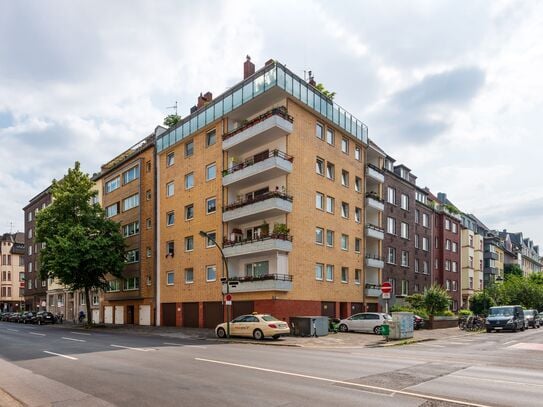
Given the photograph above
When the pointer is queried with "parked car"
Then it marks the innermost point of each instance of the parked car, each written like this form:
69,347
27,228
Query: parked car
15,316
256,325
507,317
364,322
45,317
4,316
418,322
533,319
28,317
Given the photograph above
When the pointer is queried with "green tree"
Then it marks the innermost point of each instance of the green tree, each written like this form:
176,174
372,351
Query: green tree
416,301
172,120
81,245
513,269
436,300
480,302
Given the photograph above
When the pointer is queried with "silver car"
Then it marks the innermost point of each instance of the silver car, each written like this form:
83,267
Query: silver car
364,322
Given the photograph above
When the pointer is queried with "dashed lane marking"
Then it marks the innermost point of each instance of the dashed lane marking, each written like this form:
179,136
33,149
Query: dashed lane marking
527,346
60,354
36,333
80,333
12,330
73,339
185,346
132,348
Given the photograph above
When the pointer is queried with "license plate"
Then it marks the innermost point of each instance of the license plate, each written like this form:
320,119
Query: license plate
497,328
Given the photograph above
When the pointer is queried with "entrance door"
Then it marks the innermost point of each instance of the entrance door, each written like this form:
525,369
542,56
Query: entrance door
130,314
108,314
145,315
96,316
168,314
119,314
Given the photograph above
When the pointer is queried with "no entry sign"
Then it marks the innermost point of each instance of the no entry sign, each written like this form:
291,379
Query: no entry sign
386,288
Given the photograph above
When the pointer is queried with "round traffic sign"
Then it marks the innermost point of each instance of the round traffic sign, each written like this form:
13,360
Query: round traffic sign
386,287
228,297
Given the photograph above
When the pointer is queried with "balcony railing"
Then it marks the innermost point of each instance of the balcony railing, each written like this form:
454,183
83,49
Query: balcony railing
375,172
259,198
374,227
267,282
277,236
375,196
280,277
279,111
374,257
256,159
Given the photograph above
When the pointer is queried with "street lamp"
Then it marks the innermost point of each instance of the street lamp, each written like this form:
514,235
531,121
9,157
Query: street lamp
207,236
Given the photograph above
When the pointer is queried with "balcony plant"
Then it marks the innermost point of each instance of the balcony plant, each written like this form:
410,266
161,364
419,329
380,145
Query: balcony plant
280,229
264,229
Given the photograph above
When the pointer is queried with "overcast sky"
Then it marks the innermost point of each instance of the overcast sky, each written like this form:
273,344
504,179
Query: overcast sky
454,90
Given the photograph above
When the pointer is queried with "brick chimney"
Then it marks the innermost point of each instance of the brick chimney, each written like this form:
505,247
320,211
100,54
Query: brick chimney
202,100
248,68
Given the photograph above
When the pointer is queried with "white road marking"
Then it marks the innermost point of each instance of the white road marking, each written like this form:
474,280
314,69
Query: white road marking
80,333
59,354
12,330
185,346
173,344
497,380
196,346
73,339
36,333
508,342
365,386
131,348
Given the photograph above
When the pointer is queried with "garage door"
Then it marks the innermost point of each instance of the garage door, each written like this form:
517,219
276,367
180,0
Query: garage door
108,314
190,314
213,314
357,307
96,316
119,314
145,315
168,314
242,308
328,309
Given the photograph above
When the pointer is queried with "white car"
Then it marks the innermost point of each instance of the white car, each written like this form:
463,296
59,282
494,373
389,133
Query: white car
364,322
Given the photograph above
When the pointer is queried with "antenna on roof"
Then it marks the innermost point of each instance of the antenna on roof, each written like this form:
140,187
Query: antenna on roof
173,107
10,228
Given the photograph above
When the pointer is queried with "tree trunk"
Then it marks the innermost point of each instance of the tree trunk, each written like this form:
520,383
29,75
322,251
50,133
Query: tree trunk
89,311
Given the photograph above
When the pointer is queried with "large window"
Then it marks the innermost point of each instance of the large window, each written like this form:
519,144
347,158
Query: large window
329,272
257,269
319,201
132,283
132,256
132,174
131,202
189,180
131,229
211,172
111,210
113,184
319,271
211,273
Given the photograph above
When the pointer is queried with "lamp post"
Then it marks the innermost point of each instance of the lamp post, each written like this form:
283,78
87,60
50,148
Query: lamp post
206,236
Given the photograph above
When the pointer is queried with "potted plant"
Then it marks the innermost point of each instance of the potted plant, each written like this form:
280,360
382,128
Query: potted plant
280,229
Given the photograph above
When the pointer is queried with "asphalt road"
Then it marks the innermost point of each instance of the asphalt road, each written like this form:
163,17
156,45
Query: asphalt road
43,365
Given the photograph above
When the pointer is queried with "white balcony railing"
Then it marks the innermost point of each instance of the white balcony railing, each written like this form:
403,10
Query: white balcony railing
269,282
269,243
375,232
263,206
374,173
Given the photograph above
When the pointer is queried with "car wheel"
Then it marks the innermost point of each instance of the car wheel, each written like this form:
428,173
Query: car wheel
221,333
275,337
488,330
377,330
258,335
522,329
344,328
39,322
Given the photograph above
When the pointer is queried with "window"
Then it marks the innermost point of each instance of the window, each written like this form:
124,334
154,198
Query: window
470,241
189,148
319,166
357,153
319,235
189,180
345,145
437,243
454,285
132,174
329,272
330,171
470,262
170,248
447,265
344,210
170,218
169,278
358,184
425,243
319,131
211,238
30,233
357,215
417,216
391,226
357,274
258,269
319,201
189,276
405,258
357,244
391,195
211,205
319,271
404,230
148,223
148,194
111,210
330,136
416,265
447,244
149,252
391,256
189,212
211,273
170,189
330,238
113,184
330,203
425,267
405,288
454,267
344,242
131,229
189,243
30,267
454,227
170,159
29,217
211,172
425,220
132,256
211,137
344,274
404,202
344,178
447,224
416,241
131,202
132,283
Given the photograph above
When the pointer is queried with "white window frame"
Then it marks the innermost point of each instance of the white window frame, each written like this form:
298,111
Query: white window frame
168,275
214,268
170,189
208,168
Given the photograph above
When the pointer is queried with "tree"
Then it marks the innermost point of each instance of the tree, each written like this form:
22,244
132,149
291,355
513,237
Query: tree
480,302
416,301
436,300
81,245
172,120
513,269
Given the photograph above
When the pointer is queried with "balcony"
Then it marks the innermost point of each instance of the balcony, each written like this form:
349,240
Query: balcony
268,282
263,206
374,201
267,127
258,169
260,245
375,232
375,173
372,290
373,260
491,255
491,270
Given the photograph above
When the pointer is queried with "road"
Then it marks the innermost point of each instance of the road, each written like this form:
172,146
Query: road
43,365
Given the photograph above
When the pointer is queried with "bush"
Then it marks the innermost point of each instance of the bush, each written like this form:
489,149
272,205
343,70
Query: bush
464,312
445,313
480,302
436,300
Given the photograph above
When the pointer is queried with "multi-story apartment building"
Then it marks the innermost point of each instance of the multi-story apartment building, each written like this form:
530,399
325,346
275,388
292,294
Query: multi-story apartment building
423,229
446,251
494,258
273,171
526,253
12,251
35,291
401,240
472,237
128,196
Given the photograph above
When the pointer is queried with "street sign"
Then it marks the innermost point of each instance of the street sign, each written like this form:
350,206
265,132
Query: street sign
386,287
385,296
228,297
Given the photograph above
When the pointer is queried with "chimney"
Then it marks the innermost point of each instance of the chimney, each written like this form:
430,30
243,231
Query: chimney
201,101
312,79
248,68
208,96
193,109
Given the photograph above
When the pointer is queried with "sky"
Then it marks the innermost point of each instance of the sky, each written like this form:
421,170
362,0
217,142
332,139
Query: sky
451,89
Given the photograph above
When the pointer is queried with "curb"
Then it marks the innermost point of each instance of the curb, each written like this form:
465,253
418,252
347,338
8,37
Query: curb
7,400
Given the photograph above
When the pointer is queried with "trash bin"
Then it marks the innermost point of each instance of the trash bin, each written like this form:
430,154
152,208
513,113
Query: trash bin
385,330
309,326
401,325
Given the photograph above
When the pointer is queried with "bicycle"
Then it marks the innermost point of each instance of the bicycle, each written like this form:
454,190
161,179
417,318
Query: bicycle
472,323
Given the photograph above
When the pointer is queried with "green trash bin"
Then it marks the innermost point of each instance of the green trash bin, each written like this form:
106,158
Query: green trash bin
385,330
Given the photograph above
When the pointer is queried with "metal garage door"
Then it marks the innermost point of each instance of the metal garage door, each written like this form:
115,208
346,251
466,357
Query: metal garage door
190,314
213,314
145,315
168,314
242,307
119,314
357,307
108,314
328,309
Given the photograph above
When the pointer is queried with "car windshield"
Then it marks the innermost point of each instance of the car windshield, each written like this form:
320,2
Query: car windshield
501,312
387,317
269,318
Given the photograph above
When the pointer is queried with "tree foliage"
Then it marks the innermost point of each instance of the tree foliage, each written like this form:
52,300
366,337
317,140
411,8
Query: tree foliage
436,300
330,95
81,245
513,269
172,120
480,302
518,290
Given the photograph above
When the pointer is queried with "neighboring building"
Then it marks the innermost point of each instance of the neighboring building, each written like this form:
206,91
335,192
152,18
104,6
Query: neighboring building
494,258
12,251
527,254
128,196
472,236
424,218
446,262
274,171
35,291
